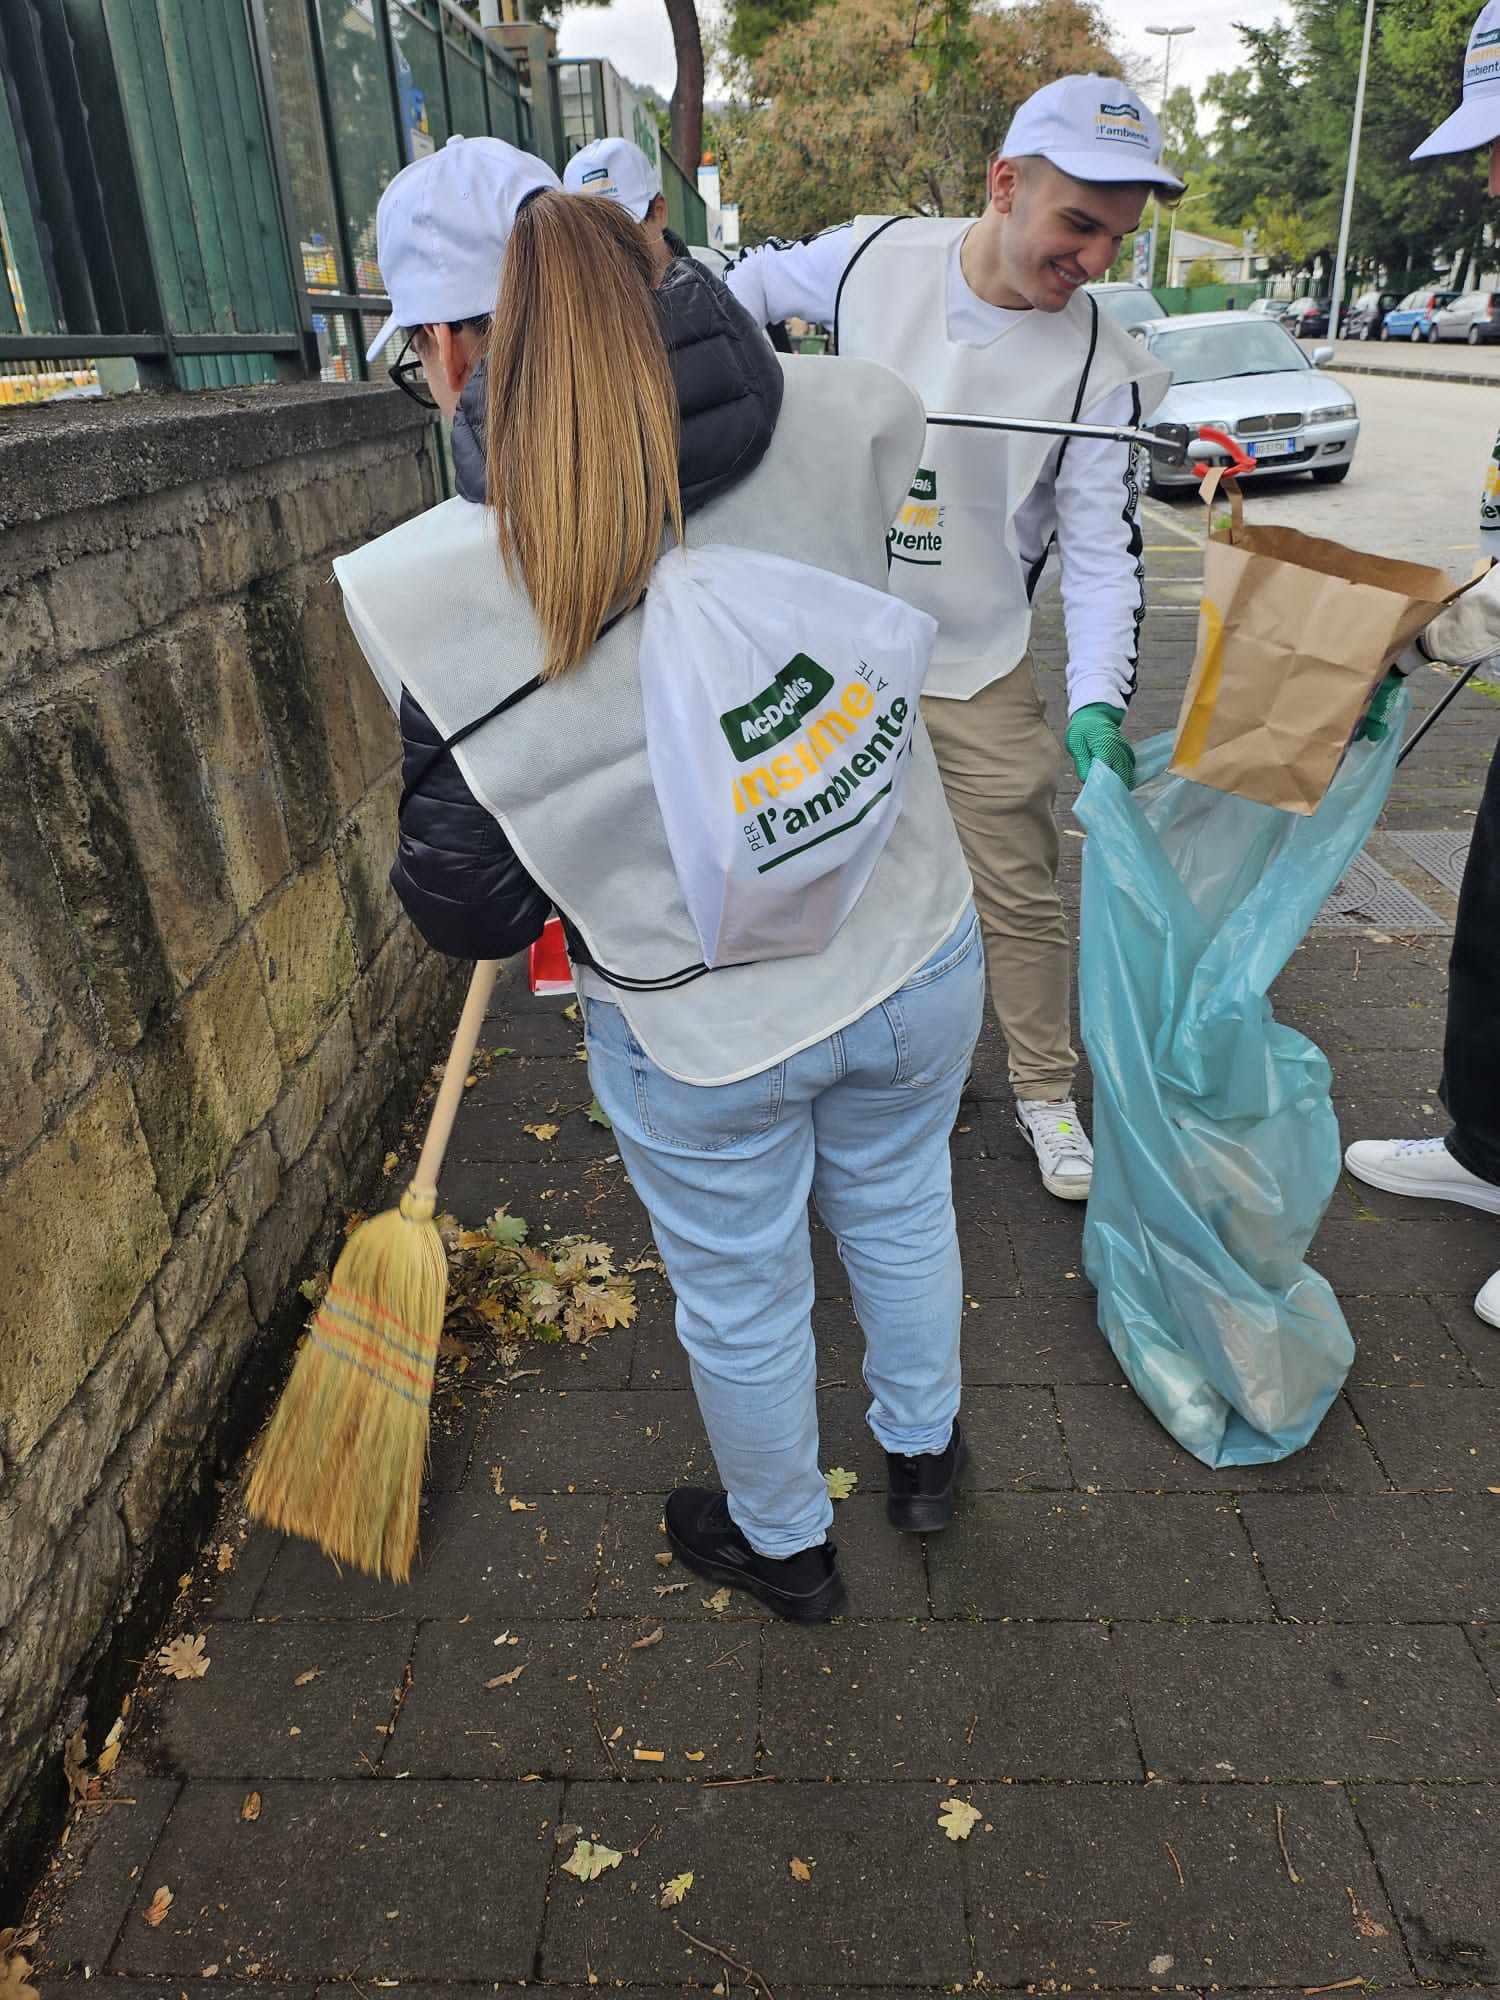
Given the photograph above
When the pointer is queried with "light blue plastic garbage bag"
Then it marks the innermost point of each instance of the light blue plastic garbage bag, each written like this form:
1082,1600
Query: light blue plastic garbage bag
1216,1145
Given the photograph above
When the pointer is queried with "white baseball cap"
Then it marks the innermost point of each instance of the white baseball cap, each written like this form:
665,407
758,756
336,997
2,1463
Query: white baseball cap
442,227
1094,128
617,168
1477,120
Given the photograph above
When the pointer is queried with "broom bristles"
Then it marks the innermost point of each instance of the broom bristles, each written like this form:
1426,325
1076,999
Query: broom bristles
343,1457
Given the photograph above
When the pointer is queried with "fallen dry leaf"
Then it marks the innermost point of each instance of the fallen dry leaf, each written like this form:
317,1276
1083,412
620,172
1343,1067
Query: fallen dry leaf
507,1680
541,1131
664,1557
719,1601
158,1907
184,1659
114,1743
523,1506
668,1589
958,1818
673,1892
224,1560
588,1861
75,1764
15,1979
651,1638
311,1675
695,1756
800,1870
497,1479
251,1808
840,1484
389,1164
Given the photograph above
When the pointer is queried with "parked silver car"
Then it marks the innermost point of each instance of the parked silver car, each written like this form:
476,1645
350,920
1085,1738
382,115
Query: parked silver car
1248,377
1472,316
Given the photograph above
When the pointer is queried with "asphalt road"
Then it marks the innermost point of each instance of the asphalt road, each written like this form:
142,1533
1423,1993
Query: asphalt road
1414,490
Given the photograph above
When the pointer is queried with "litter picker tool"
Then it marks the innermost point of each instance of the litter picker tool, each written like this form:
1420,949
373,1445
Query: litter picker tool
1167,442
343,1457
1468,669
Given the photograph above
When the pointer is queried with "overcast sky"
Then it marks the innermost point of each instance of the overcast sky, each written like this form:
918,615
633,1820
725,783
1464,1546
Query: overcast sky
634,35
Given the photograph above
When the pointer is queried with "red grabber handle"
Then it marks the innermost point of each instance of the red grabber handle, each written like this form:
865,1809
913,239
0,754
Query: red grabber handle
1239,460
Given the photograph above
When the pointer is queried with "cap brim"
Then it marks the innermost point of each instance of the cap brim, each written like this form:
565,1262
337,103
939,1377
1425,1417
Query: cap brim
1475,123
391,326
1089,167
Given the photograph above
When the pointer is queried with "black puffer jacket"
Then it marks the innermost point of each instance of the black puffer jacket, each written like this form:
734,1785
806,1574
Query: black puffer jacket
455,871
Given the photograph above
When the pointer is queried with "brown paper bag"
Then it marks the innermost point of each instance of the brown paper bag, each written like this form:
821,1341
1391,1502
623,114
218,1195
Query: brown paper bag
1294,633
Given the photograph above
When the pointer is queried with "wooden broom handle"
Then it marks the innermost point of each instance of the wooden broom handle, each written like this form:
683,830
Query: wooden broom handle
455,1072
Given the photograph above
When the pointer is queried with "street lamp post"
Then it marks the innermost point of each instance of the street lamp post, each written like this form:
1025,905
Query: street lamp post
1169,35
1336,296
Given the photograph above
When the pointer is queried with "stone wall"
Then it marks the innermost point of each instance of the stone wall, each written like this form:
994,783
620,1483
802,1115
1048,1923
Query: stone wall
212,1014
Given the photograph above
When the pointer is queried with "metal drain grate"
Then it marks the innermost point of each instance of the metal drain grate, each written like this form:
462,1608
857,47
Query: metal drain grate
1370,899
1442,854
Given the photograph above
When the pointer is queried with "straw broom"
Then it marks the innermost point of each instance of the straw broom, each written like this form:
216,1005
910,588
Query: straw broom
343,1457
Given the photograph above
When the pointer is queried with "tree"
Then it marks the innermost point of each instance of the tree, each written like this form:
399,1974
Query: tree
1183,146
1202,271
687,91
752,23
1281,140
877,106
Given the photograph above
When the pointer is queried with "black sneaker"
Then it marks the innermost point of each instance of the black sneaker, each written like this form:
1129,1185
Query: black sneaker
806,1587
923,1490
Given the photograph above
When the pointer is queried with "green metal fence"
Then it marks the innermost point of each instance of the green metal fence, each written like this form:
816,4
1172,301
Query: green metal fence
191,185
686,211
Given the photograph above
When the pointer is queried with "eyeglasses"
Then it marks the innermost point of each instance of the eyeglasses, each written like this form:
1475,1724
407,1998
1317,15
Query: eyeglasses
409,377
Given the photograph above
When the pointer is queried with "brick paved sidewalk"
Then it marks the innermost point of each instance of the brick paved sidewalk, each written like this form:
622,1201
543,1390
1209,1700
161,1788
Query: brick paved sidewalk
1225,1730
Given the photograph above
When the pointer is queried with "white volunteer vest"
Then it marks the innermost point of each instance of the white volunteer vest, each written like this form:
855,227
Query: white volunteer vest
954,551
566,771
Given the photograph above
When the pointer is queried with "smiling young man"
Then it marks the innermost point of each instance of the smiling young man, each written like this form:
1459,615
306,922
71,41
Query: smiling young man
990,318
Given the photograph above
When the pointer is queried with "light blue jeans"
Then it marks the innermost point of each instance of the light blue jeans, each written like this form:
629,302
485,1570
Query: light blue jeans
861,1121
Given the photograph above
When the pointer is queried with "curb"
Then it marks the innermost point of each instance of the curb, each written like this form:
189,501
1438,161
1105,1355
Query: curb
1461,376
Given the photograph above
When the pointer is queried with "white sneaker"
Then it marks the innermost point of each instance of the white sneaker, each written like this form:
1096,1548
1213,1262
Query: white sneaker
1487,1305
1055,1134
1421,1167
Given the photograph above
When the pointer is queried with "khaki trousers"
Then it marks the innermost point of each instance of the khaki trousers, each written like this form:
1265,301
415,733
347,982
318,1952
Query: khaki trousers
1001,763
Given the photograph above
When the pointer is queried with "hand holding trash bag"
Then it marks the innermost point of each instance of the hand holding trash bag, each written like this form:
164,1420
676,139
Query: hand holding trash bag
1094,733
1377,723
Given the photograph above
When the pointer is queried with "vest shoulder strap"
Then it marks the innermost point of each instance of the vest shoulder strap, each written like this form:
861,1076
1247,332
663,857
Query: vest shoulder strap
1088,363
873,236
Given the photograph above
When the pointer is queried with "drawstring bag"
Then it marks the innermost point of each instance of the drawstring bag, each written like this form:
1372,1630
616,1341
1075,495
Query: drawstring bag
780,706
1216,1145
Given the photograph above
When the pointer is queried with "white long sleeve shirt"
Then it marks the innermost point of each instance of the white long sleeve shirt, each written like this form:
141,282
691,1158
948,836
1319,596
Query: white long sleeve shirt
1086,498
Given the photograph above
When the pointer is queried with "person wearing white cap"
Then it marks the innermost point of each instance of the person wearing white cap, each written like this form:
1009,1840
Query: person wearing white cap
622,171
619,170
619,410
1464,1165
441,227
990,318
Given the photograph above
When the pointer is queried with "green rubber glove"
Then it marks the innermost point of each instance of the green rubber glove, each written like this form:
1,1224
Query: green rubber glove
1377,723
1095,732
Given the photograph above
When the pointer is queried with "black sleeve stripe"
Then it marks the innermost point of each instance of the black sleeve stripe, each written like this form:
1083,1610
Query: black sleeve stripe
1130,514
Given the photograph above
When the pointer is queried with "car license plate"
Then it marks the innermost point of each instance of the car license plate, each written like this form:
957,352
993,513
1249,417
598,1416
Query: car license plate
1272,447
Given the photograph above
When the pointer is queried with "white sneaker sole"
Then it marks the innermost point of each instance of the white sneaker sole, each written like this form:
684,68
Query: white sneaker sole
1070,1189
1483,1311
1391,1181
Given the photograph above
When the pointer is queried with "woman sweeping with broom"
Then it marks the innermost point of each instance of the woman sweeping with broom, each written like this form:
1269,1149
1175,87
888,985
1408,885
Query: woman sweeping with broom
648,673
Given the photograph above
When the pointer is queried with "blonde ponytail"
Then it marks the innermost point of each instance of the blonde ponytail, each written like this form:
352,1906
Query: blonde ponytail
581,420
